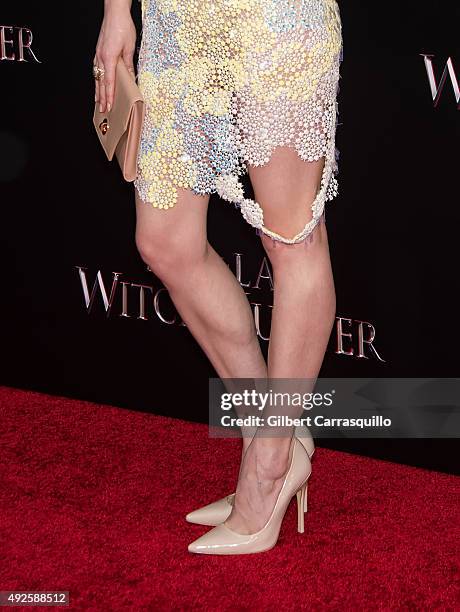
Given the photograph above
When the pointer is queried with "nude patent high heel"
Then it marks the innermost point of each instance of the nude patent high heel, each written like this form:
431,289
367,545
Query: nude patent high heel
302,495
221,540
217,512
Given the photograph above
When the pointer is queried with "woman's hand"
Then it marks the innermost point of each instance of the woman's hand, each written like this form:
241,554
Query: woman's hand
117,37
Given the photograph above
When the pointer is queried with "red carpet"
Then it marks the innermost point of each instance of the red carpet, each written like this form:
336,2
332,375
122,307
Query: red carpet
93,499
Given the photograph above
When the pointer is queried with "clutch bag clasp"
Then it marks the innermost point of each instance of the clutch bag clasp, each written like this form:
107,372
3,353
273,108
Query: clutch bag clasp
104,126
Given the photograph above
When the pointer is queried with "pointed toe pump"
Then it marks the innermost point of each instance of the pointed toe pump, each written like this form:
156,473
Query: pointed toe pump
217,512
212,513
221,540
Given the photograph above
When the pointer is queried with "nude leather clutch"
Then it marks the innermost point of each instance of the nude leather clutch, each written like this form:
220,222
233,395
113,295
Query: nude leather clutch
119,131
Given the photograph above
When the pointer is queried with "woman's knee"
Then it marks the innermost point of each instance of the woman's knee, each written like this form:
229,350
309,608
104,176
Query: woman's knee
304,268
169,254
171,242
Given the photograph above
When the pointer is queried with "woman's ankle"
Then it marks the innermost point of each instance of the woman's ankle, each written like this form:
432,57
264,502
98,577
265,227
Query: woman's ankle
272,457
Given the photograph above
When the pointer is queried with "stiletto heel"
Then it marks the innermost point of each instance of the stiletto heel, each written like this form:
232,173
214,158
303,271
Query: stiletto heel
302,507
222,540
217,512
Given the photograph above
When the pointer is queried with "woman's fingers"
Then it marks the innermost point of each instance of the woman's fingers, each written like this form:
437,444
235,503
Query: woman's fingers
127,56
102,96
100,85
96,83
108,81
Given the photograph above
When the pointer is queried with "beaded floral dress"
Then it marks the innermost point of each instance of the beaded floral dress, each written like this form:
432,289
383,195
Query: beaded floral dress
227,81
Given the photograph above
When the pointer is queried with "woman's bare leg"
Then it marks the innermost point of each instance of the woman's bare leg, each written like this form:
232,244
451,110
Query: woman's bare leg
302,319
205,292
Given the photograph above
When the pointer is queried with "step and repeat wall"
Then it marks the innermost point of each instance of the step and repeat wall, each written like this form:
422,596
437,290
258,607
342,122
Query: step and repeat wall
83,316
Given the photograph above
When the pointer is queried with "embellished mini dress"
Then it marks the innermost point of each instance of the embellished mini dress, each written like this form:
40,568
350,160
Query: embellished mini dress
225,82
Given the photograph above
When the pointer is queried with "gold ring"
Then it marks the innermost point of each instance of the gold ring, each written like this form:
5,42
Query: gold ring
98,73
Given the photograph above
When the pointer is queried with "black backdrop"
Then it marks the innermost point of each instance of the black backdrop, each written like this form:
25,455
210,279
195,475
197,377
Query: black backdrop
393,229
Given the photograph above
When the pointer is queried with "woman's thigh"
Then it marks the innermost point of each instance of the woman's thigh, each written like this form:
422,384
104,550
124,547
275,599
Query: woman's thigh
285,188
